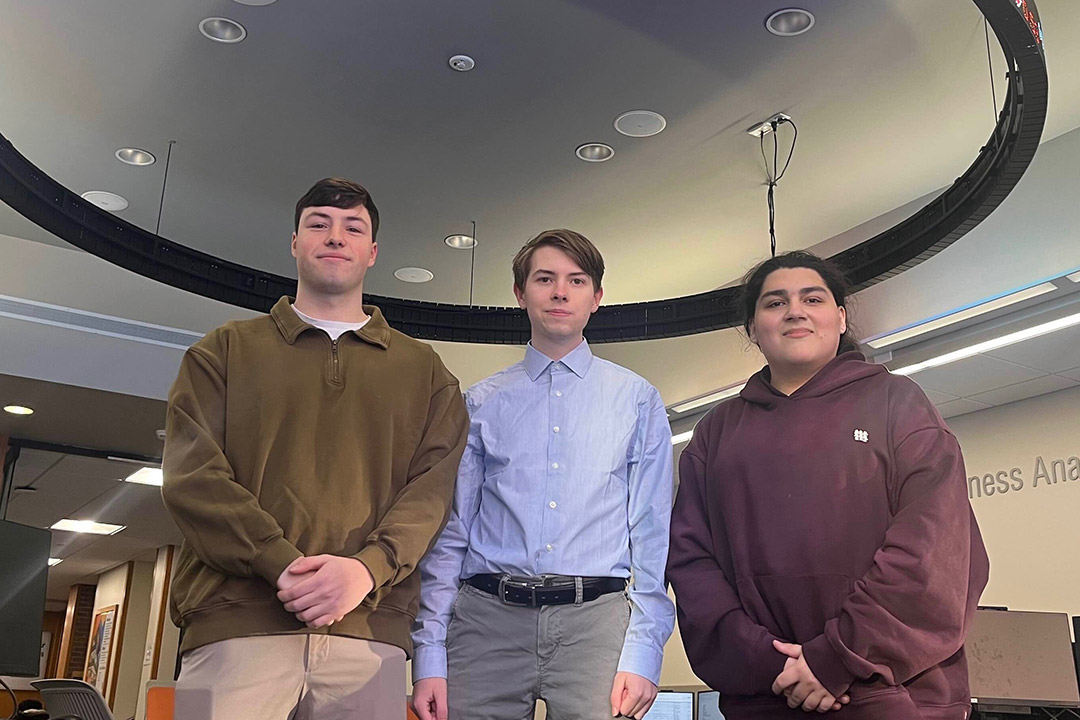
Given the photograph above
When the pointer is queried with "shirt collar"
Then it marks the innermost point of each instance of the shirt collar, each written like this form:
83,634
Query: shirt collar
578,360
375,332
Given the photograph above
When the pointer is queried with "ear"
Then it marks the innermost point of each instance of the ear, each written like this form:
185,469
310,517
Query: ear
292,245
752,334
520,297
597,297
374,253
843,319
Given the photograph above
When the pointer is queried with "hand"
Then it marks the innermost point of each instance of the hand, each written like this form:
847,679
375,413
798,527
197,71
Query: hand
332,587
631,695
429,698
798,684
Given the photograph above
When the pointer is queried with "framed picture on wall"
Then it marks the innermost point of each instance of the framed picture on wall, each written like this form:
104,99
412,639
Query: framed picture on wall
101,641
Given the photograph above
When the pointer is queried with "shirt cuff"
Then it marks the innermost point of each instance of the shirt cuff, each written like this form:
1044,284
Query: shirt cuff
273,559
428,661
827,665
377,561
643,660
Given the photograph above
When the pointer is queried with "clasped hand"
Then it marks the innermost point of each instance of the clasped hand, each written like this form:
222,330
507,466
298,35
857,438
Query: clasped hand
323,589
797,683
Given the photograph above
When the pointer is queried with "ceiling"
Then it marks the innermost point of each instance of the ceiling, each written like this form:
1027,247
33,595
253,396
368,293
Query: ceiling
84,488
892,99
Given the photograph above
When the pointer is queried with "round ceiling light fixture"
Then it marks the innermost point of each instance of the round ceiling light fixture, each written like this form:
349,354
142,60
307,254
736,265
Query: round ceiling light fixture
595,152
106,200
640,123
460,242
414,275
255,3
18,409
462,63
789,22
135,156
222,30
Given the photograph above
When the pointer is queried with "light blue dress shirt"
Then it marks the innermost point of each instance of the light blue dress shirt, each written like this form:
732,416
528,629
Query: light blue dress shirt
567,471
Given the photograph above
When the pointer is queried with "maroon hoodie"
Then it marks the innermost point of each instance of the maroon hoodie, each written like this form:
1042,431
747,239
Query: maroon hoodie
836,518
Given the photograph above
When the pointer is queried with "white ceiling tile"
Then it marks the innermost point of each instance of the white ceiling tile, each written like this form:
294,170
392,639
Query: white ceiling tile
974,375
936,396
1053,352
1026,389
961,406
1073,374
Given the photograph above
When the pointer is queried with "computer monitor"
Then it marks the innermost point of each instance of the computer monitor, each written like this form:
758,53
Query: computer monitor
1021,659
708,705
24,572
672,706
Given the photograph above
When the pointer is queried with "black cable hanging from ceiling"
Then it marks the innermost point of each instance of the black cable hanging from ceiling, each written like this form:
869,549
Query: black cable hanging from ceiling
773,177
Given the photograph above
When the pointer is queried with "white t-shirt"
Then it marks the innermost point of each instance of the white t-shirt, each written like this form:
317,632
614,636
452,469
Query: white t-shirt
331,327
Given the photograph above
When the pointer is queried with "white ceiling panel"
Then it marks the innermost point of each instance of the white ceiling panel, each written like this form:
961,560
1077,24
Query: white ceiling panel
1053,353
1023,390
1073,374
973,375
961,406
937,397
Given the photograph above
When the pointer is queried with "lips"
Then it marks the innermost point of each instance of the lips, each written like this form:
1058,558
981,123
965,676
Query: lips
798,333
340,258
559,313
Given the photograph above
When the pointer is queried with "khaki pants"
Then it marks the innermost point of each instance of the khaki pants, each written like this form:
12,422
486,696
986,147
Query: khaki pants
292,677
503,658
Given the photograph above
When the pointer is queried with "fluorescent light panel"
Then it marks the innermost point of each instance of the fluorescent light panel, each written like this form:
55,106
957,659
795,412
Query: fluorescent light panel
682,437
145,476
55,561
952,318
714,397
987,346
1074,277
87,526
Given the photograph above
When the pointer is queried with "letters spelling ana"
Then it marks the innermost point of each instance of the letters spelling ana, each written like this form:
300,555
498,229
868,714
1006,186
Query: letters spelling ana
1004,481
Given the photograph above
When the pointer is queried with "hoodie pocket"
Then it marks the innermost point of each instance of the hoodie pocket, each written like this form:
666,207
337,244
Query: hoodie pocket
794,607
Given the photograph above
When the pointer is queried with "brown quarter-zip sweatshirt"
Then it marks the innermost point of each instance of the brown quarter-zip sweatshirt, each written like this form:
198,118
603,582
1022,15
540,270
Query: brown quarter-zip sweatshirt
281,443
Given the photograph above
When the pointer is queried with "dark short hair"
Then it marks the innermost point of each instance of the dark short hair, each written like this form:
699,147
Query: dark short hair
339,193
576,245
829,271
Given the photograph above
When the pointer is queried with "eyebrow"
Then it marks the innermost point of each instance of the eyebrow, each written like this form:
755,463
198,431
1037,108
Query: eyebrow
539,271
350,218
784,293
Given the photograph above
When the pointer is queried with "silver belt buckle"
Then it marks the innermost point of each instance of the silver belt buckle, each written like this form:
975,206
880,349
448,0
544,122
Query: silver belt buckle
506,581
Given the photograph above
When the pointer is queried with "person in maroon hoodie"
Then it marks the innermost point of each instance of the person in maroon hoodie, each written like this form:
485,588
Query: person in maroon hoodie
824,554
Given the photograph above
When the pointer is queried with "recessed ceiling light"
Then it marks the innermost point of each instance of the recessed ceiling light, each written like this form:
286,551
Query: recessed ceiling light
55,561
1074,277
640,123
789,22
682,437
255,3
462,63
86,526
145,476
413,275
460,242
595,152
135,156
18,410
222,30
106,200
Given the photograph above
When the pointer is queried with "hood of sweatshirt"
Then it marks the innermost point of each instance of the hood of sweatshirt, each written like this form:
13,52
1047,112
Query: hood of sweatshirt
844,369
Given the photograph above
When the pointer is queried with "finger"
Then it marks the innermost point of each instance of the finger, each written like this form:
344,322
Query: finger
646,707
789,649
630,702
783,681
616,695
845,699
422,708
638,710
441,709
818,701
305,586
798,694
308,564
305,602
322,621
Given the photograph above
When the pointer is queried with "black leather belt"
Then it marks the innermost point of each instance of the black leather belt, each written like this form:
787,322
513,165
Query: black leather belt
535,592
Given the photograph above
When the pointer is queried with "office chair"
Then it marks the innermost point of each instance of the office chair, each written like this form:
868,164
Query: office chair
72,700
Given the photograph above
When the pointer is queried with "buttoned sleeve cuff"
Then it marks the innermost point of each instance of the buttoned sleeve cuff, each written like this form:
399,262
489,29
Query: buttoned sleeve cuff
429,661
643,660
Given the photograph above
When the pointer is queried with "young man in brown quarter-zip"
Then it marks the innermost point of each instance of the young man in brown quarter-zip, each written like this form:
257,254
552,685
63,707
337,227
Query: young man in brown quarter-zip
309,461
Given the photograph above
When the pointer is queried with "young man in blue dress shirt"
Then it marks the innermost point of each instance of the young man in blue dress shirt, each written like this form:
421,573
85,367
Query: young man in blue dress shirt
548,581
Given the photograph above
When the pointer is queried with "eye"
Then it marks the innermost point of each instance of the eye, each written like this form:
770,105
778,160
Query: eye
774,303
317,225
356,230
815,300
543,279
578,281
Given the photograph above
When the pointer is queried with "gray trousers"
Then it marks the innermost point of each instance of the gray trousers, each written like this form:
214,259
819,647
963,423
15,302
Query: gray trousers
502,658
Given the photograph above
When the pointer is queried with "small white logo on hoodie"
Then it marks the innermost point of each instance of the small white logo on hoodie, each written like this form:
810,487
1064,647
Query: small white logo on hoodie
862,436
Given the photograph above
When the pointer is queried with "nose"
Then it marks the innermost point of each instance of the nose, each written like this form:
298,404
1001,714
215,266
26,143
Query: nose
795,309
336,236
558,291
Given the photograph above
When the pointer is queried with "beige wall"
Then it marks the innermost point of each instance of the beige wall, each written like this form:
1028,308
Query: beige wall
165,653
1032,534
133,612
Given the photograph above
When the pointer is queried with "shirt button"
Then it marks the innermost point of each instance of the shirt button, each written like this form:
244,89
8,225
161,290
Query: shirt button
558,393
549,548
556,428
555,465
553,504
